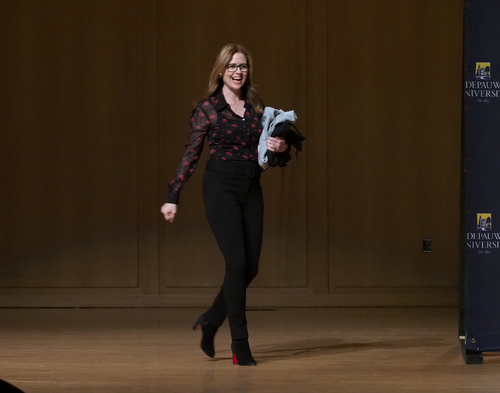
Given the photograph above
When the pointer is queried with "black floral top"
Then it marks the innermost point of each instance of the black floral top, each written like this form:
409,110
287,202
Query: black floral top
230,137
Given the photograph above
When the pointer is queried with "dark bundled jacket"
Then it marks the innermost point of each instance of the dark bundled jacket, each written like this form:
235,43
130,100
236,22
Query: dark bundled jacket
277,123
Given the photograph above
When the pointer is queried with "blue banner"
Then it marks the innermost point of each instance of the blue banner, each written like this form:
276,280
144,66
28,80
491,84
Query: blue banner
480,281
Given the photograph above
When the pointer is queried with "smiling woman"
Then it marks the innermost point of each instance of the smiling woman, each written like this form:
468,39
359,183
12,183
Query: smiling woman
230,118
235,76
230,57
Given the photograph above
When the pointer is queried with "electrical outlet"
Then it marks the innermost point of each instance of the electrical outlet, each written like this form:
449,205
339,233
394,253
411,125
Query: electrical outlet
426,245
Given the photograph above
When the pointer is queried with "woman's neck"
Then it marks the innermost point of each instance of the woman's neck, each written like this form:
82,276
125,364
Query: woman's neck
231,96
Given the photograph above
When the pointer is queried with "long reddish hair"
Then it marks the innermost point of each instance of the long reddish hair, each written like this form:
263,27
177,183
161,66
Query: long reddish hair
221,61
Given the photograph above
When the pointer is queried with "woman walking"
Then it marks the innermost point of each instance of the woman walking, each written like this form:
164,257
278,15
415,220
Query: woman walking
230,118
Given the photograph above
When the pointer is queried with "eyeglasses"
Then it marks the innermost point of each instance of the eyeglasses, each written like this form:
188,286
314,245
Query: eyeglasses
233,67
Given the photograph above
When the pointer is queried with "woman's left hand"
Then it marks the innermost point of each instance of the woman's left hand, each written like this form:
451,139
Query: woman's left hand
276,145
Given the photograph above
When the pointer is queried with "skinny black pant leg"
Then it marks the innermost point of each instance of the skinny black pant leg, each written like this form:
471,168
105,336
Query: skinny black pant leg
253,219
253,212
234,207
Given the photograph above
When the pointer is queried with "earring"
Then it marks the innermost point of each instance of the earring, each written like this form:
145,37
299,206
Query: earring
220,76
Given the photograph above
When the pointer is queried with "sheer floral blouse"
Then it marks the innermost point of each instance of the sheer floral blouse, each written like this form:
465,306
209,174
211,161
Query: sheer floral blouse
230,137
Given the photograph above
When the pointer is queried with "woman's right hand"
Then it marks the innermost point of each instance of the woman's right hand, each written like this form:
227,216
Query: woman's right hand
168,210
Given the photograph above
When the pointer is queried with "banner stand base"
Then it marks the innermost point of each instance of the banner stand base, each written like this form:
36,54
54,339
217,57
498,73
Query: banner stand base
471,357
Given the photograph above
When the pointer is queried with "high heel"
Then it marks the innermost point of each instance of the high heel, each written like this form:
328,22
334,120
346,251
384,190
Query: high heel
208,334
242,355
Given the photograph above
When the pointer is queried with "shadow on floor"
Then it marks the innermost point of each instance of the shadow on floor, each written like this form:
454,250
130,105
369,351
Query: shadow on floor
319,347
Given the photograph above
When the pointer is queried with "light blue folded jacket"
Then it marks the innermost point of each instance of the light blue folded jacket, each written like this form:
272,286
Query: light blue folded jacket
270,118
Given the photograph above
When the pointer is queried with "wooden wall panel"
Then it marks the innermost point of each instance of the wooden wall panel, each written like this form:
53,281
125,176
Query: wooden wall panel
191,35
94,110
394,97
69,144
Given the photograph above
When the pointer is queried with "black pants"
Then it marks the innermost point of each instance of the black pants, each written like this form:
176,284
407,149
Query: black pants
234,207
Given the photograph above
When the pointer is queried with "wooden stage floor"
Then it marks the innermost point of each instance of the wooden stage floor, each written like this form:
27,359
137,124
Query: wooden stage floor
299,350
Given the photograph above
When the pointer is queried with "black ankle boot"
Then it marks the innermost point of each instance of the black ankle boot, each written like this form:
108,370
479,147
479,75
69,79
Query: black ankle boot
208,334
242,354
